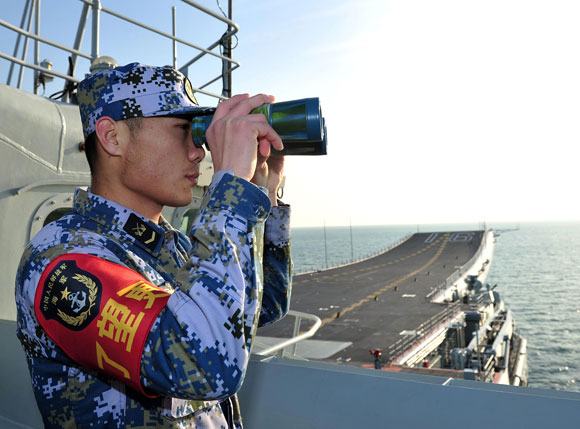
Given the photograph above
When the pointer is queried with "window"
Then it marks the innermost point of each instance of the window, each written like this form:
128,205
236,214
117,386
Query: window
51,209
56,215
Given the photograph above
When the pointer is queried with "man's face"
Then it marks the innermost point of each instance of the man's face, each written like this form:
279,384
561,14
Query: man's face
162,164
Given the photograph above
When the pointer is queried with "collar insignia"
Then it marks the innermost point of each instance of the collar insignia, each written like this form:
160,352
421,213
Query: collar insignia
142,232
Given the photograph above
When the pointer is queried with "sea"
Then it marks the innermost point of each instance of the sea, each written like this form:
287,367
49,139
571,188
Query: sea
536,267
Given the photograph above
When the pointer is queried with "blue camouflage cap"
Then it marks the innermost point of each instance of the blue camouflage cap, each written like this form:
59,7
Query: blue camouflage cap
132,91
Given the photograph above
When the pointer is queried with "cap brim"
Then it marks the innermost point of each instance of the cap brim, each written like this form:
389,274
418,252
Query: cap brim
190,111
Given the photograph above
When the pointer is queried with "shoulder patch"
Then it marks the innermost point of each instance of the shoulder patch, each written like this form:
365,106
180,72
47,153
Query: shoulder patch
99,313
70,295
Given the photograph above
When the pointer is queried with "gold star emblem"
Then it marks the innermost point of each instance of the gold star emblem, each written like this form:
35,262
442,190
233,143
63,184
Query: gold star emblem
65,293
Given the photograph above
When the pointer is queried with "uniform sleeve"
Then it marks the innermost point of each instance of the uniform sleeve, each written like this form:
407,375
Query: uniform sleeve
200,345
277,266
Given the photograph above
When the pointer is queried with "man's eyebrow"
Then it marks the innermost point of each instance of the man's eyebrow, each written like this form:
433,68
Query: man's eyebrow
187,118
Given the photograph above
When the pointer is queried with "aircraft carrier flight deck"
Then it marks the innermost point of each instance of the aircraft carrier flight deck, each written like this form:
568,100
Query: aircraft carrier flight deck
374,303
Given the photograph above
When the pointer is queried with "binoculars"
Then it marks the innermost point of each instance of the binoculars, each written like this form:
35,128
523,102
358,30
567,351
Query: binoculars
299,123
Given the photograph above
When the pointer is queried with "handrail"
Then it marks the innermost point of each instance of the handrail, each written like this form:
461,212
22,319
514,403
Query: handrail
231,24
162,33
295,338
42,39
97,8
403,345
212,13
38,68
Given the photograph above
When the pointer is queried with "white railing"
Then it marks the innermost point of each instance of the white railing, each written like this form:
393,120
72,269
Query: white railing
296,336
405,344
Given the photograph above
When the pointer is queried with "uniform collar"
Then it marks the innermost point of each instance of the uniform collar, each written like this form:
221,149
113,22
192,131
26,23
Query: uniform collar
141,231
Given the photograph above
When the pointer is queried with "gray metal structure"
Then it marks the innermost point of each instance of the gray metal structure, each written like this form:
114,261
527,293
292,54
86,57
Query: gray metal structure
42,164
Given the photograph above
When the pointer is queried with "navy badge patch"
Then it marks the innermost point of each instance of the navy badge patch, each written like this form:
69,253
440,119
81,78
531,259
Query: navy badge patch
70,295
99,313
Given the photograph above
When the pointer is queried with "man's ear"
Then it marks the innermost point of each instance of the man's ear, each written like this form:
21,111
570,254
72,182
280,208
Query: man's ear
109,135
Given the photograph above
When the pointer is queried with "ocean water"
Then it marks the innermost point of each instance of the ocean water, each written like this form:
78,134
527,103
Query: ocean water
536,269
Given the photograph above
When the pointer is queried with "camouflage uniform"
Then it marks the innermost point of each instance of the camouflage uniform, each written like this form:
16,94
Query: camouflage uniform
129,323
199,344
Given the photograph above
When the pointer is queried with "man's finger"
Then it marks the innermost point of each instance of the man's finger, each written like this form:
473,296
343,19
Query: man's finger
243,107
226,106
263,149
276,163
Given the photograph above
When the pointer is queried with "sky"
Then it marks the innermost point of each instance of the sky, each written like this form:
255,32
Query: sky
450,111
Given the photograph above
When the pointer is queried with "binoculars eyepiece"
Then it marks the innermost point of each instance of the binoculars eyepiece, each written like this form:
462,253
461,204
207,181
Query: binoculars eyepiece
299,123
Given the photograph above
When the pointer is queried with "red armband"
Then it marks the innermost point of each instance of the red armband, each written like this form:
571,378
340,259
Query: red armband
99,313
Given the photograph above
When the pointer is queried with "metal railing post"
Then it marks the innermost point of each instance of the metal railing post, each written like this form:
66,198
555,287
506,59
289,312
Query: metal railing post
297,323
25,50
174,21
96,29
226,42
80,34
96,7
17,44
36,45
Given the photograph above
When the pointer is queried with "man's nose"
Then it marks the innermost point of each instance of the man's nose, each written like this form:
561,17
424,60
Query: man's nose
195,153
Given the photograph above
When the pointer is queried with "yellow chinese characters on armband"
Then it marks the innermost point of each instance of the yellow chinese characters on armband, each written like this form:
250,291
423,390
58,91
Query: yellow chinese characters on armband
99,313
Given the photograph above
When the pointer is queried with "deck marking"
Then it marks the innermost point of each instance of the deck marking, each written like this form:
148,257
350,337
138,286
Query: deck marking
444,238
431,237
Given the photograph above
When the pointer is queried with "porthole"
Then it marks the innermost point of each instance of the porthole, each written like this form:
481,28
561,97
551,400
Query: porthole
50,210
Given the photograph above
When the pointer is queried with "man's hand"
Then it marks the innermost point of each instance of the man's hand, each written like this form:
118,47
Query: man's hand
269,173
235,136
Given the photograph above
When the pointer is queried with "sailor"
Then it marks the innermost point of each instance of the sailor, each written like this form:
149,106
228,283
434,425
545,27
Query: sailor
126,321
